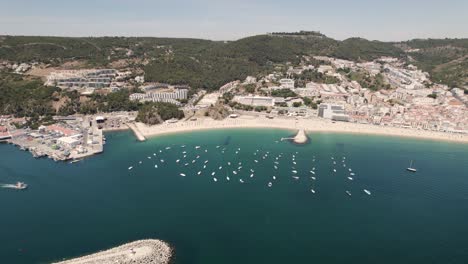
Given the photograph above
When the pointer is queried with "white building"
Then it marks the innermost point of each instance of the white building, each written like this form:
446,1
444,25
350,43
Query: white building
287,83
69,142
168,97
333,112
93,78
255,100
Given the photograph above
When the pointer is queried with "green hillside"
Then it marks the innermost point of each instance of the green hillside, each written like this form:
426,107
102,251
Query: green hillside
209,64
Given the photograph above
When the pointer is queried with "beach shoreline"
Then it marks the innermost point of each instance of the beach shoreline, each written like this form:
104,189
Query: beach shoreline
290,124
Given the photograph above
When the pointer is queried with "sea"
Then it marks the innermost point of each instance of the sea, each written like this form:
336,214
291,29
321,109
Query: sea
304,210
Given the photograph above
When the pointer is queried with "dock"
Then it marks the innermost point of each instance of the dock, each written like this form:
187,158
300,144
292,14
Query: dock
300,138
136,131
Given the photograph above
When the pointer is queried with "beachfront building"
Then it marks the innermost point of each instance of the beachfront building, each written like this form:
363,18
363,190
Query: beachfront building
74,79
162,96
255,100
333,112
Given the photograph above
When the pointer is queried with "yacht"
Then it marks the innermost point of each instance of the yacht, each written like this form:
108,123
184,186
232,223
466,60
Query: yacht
294,171
350,178
131,167
199,173
251,175
313,172
270,184
366,191
20,186
348,193
295,177
235,172
182,174
214,179
411,167
334,170
312,190
241,181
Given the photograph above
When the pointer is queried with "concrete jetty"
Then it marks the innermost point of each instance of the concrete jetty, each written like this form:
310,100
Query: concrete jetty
136,131
301,137
150,251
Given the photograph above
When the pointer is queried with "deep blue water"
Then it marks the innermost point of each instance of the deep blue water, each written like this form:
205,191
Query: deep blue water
74,209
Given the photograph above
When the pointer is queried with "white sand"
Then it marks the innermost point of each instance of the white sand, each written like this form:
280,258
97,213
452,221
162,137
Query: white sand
138,252
311,125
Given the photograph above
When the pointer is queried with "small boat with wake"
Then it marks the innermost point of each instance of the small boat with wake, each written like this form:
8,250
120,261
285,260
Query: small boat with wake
17,186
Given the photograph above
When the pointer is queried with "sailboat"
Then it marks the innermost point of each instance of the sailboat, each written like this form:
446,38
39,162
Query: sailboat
410,168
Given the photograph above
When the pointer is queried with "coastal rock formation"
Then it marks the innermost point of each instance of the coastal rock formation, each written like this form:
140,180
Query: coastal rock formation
139,252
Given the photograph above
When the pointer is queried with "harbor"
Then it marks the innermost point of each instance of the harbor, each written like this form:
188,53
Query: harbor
68,138
302,197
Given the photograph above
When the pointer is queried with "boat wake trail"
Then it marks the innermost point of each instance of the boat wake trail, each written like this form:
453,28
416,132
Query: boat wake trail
8,186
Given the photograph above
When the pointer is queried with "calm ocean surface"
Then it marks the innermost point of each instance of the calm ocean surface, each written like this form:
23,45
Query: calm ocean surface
75,209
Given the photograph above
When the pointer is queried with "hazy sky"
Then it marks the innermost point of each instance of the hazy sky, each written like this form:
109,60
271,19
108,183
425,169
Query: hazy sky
227,20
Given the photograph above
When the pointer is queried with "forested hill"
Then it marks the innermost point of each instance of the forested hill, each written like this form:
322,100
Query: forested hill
209,64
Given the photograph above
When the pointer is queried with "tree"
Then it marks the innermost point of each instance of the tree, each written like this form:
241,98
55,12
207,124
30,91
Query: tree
297,104
156,113
283,93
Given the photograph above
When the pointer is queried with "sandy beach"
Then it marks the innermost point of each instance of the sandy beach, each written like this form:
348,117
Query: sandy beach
138,252
310,125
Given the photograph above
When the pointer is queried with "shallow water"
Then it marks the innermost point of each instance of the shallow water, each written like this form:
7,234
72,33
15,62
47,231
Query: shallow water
74,209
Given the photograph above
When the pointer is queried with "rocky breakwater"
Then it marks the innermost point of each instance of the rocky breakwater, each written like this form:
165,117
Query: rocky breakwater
139,252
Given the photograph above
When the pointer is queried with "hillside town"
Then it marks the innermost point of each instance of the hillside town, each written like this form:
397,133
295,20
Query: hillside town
396,95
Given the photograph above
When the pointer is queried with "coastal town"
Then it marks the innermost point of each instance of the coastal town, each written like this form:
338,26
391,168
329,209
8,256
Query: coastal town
321,94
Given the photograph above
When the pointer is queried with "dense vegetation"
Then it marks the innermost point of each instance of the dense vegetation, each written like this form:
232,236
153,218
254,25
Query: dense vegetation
283,93
358,49
210,64
21,97
156,113
313,76
366,80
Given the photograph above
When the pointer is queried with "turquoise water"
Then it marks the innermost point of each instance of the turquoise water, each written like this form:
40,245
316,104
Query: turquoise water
74,209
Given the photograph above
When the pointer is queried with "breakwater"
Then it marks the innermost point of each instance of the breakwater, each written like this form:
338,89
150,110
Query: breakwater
139,252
